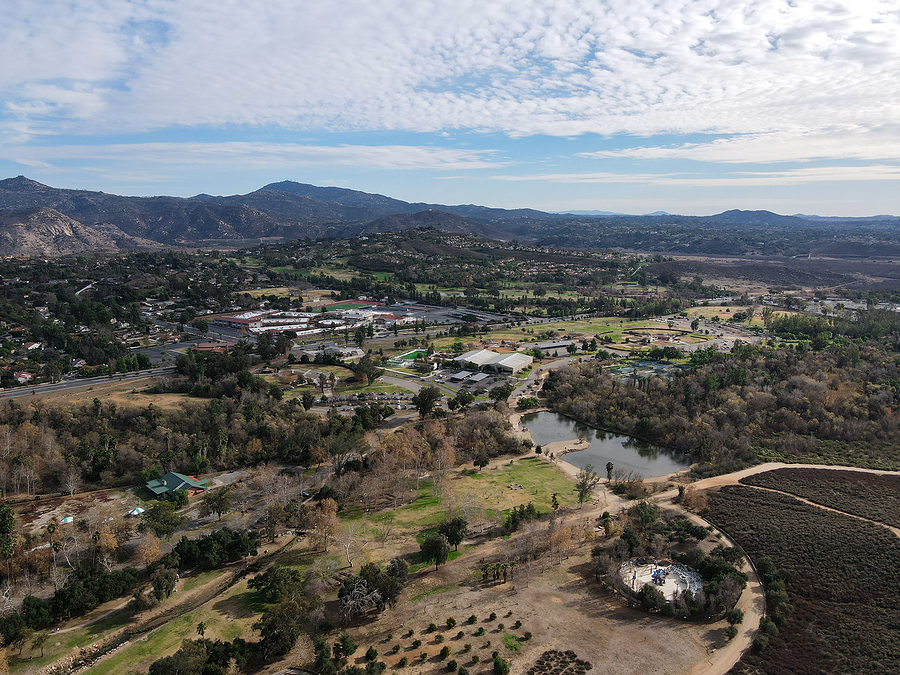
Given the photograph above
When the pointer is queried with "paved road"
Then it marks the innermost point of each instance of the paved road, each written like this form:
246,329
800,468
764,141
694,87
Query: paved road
67,385
538,373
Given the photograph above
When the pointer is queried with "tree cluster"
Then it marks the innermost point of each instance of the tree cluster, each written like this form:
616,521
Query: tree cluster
86,587
840,403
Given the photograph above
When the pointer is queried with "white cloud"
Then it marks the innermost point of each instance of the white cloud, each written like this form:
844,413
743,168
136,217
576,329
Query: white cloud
770,69
801,176
878,144
256,155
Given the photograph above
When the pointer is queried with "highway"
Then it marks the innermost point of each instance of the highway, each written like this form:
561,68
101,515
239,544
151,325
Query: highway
68,385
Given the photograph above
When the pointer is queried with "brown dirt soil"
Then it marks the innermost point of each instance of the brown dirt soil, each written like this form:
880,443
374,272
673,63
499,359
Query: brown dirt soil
563,608
38,514
119,393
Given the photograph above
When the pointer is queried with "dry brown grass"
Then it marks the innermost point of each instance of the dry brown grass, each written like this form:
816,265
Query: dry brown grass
124,392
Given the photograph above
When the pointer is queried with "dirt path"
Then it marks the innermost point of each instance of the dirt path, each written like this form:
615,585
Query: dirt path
895,530
95,619
752,601
734,478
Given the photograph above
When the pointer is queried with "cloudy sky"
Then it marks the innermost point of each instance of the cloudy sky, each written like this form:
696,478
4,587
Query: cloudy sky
676,105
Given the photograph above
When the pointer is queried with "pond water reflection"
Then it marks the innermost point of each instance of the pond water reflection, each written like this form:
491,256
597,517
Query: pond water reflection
625,452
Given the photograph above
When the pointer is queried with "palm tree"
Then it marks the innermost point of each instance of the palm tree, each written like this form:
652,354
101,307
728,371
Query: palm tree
51,528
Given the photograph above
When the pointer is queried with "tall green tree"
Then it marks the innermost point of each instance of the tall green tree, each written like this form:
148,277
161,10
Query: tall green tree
162,518
585,482
455,530
216,501
426,399
435,549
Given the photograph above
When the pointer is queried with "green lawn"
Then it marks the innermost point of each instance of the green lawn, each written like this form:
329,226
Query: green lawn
67,642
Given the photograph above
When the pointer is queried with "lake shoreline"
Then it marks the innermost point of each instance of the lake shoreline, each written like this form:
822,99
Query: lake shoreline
673,464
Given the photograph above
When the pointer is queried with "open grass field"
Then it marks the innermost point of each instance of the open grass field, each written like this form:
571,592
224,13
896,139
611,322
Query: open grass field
872,496
843,583
538,478
61,644
338,271
493,491
280,291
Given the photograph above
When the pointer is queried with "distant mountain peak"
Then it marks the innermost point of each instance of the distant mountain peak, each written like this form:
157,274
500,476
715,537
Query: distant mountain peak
20,183
759,217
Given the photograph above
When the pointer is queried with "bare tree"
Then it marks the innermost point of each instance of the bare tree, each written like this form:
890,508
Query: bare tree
659,547
264,480
357,598
58,577
72,480
349,538
324,521
147,550
385,530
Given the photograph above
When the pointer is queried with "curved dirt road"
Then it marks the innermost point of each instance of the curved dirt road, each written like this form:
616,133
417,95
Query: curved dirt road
752,601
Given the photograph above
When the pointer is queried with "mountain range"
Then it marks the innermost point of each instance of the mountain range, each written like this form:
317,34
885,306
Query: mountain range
39,220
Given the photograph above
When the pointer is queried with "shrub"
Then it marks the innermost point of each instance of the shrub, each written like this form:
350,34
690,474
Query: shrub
731,632
517,625
760,642
445,652
467,647
431,628
451,665
527,635
402,663
375,667
423,656
463,671
345,646
495,654
734,616
371,654
439,639
451,622
479,632
473,619
460,635
475,658
493,616
416,644
410,633
500,626
395,649
768,627
501,666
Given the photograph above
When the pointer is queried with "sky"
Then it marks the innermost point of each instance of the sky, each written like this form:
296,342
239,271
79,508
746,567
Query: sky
684,106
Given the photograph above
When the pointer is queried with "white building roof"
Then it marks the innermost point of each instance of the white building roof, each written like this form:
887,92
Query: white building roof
477,357
515,361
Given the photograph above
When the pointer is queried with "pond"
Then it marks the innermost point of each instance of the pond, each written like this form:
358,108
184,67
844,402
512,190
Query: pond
625,452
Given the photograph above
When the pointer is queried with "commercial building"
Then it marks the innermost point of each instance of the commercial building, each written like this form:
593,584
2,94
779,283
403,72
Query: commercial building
486,359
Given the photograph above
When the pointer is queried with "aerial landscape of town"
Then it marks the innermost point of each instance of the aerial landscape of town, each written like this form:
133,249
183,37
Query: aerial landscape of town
391,338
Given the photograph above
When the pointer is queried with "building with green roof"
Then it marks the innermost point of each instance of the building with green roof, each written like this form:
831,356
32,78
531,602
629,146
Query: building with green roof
172,481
